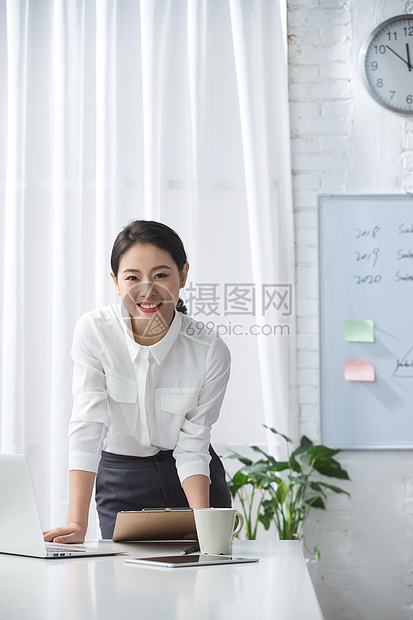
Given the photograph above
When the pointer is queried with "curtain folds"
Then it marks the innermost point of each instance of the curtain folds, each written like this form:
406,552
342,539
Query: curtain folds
13,194
112,110
262,87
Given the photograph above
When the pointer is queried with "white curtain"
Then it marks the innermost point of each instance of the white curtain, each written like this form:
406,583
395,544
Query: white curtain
156,109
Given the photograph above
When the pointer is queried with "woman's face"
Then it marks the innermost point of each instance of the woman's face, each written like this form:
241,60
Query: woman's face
148,282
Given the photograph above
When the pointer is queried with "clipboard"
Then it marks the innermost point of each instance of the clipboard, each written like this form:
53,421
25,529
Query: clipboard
154,524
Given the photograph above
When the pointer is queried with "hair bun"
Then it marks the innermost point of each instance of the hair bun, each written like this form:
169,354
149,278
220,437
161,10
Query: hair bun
180,306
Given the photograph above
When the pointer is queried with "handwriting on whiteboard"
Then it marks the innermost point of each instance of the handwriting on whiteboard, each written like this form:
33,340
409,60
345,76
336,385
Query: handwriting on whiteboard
368,256
404,367
371,232
403,229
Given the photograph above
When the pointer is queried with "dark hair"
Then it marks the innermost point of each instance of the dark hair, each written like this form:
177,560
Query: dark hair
146,231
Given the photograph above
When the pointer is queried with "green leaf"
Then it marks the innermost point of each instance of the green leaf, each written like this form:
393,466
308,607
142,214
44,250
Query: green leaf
255,469
287,439
282,465
268,456
331,468
241,459
281,492
239,479
266,516
301,480
304,447
258,476
263,482
266,520
322,452
315,502
333,488
317,486
295,465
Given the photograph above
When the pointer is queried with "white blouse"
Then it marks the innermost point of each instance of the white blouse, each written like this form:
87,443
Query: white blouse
136,400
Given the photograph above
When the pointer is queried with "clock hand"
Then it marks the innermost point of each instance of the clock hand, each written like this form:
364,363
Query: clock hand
401,58
408,57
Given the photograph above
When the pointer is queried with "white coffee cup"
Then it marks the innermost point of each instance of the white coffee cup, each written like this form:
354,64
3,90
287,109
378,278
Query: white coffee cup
215,529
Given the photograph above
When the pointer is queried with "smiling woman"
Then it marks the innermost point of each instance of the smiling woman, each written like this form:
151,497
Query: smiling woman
148,279
146,392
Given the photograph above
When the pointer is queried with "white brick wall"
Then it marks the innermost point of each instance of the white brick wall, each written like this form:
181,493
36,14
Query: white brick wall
344,142
407,157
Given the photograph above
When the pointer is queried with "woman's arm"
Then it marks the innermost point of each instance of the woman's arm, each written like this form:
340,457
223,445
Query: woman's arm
192,447
196,489
81,487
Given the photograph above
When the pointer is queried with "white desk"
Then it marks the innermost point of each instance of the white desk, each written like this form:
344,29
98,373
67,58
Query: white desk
278,587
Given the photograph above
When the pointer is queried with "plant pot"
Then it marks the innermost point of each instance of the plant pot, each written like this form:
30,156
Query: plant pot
312,566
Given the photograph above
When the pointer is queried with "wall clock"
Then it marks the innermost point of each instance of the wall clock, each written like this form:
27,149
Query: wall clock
386,64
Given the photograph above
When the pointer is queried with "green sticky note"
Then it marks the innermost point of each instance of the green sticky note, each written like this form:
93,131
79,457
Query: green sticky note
359,331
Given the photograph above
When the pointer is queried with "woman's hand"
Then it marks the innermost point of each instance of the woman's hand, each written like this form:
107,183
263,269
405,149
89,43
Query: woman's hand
81,486
70,533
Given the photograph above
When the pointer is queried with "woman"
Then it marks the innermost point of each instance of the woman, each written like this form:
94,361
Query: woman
148,385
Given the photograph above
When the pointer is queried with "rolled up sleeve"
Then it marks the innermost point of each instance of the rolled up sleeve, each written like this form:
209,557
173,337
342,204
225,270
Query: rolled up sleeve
192,448
90,420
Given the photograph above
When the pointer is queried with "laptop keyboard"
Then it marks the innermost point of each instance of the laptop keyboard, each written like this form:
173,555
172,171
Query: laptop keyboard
63,549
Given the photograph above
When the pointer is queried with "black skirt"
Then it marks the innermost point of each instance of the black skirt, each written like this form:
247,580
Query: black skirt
134,483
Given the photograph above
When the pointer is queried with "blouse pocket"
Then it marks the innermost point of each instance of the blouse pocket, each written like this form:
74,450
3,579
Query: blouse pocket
122,402
171,407
120,388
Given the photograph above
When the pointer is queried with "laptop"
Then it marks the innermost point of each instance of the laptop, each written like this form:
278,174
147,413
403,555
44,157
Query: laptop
20,528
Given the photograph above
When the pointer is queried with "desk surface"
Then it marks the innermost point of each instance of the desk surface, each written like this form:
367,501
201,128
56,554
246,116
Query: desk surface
278,586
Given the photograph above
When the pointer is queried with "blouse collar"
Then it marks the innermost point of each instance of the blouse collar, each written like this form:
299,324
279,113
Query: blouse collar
158,350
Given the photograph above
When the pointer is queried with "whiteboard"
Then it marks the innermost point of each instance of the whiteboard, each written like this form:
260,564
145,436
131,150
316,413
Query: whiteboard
366,274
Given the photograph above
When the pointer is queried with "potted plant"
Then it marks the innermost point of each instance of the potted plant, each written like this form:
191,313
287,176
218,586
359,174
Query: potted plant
284,492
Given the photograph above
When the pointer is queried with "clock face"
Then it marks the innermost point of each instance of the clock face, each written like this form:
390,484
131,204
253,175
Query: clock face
387,64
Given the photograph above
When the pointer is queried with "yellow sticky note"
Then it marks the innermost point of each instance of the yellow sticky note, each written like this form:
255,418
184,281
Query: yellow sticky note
359,331
358,370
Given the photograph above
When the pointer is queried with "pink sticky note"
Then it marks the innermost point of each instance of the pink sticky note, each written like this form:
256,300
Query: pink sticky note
358,370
